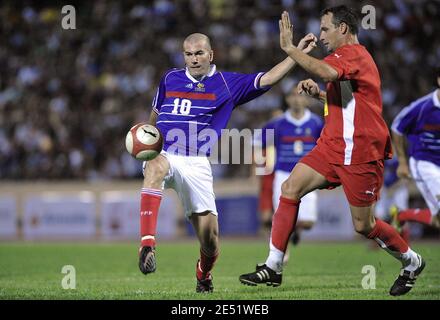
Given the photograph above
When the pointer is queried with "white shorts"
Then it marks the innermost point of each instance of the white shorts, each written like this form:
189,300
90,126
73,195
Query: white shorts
308,210
191,178
427,177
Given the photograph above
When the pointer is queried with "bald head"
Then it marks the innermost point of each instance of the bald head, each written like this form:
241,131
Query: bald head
198,54
197,38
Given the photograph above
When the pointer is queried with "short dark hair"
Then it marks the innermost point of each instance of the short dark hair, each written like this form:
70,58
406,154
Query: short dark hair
343,14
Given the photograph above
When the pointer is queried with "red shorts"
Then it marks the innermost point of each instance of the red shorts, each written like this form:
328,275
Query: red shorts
361,182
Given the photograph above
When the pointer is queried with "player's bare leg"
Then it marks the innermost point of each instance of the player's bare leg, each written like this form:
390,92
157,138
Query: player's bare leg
390,240
302,180
206,226
151,196
436,221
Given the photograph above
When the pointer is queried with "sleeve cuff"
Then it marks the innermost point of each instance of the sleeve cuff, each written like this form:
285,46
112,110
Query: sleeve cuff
257,80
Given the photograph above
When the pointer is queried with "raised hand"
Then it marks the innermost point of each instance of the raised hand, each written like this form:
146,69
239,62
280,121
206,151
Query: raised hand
286,32
308,43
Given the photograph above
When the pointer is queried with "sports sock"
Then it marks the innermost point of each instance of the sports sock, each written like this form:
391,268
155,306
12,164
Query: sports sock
415,215
150,202
205,264
390,240
283,224
405,233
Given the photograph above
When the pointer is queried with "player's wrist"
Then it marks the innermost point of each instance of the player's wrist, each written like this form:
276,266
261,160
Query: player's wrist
289,49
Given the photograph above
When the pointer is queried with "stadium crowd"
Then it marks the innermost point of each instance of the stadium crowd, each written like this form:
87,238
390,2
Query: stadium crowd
68,97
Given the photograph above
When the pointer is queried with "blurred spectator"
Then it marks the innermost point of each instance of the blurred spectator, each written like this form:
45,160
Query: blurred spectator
68,97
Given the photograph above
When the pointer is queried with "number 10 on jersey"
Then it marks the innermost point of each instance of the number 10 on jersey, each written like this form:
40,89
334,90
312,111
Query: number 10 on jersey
182,107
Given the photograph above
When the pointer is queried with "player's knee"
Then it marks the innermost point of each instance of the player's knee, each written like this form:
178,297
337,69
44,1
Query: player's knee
363,227
210,242
155,171
290,190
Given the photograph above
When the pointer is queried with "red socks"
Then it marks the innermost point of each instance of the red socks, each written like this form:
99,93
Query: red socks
266,191
205,264
150,202
387,237
415,215
283,222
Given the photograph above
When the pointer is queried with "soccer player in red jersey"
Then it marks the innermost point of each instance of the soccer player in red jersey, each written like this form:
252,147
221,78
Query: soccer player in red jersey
351,151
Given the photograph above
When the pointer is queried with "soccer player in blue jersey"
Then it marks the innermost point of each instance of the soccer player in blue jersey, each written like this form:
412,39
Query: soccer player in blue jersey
419,125
191,107
295,134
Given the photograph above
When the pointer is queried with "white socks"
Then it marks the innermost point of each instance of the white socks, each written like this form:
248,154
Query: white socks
410,260
275,258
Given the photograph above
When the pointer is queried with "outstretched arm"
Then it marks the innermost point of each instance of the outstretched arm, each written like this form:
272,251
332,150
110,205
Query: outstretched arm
310,64
281,69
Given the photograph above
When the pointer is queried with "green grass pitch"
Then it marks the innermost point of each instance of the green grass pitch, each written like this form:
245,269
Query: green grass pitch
109,271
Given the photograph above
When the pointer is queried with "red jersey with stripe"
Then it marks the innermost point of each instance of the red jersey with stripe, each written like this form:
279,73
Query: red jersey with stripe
355,131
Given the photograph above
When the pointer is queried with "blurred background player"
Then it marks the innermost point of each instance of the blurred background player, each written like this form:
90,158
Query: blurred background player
350,151
193,99
394,196
419,125
265,191
296,132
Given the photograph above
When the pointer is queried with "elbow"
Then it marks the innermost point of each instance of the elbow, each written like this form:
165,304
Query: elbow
328,74
266,81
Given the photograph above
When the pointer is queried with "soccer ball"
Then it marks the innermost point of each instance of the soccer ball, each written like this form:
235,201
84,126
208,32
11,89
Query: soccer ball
144,142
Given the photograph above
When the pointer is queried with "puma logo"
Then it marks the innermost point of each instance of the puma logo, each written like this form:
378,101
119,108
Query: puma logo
370,192
337,55
150,133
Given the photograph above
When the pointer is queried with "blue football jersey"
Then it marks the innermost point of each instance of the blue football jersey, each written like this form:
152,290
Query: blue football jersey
293,138
191,113
420,122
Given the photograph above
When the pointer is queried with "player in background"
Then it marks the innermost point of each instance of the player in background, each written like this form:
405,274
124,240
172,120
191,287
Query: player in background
350,152
265,194
188,102
296,132
394,196
419,125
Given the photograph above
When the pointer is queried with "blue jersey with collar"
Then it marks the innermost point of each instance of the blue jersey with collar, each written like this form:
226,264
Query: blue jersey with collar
420,122
191,113
293,139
